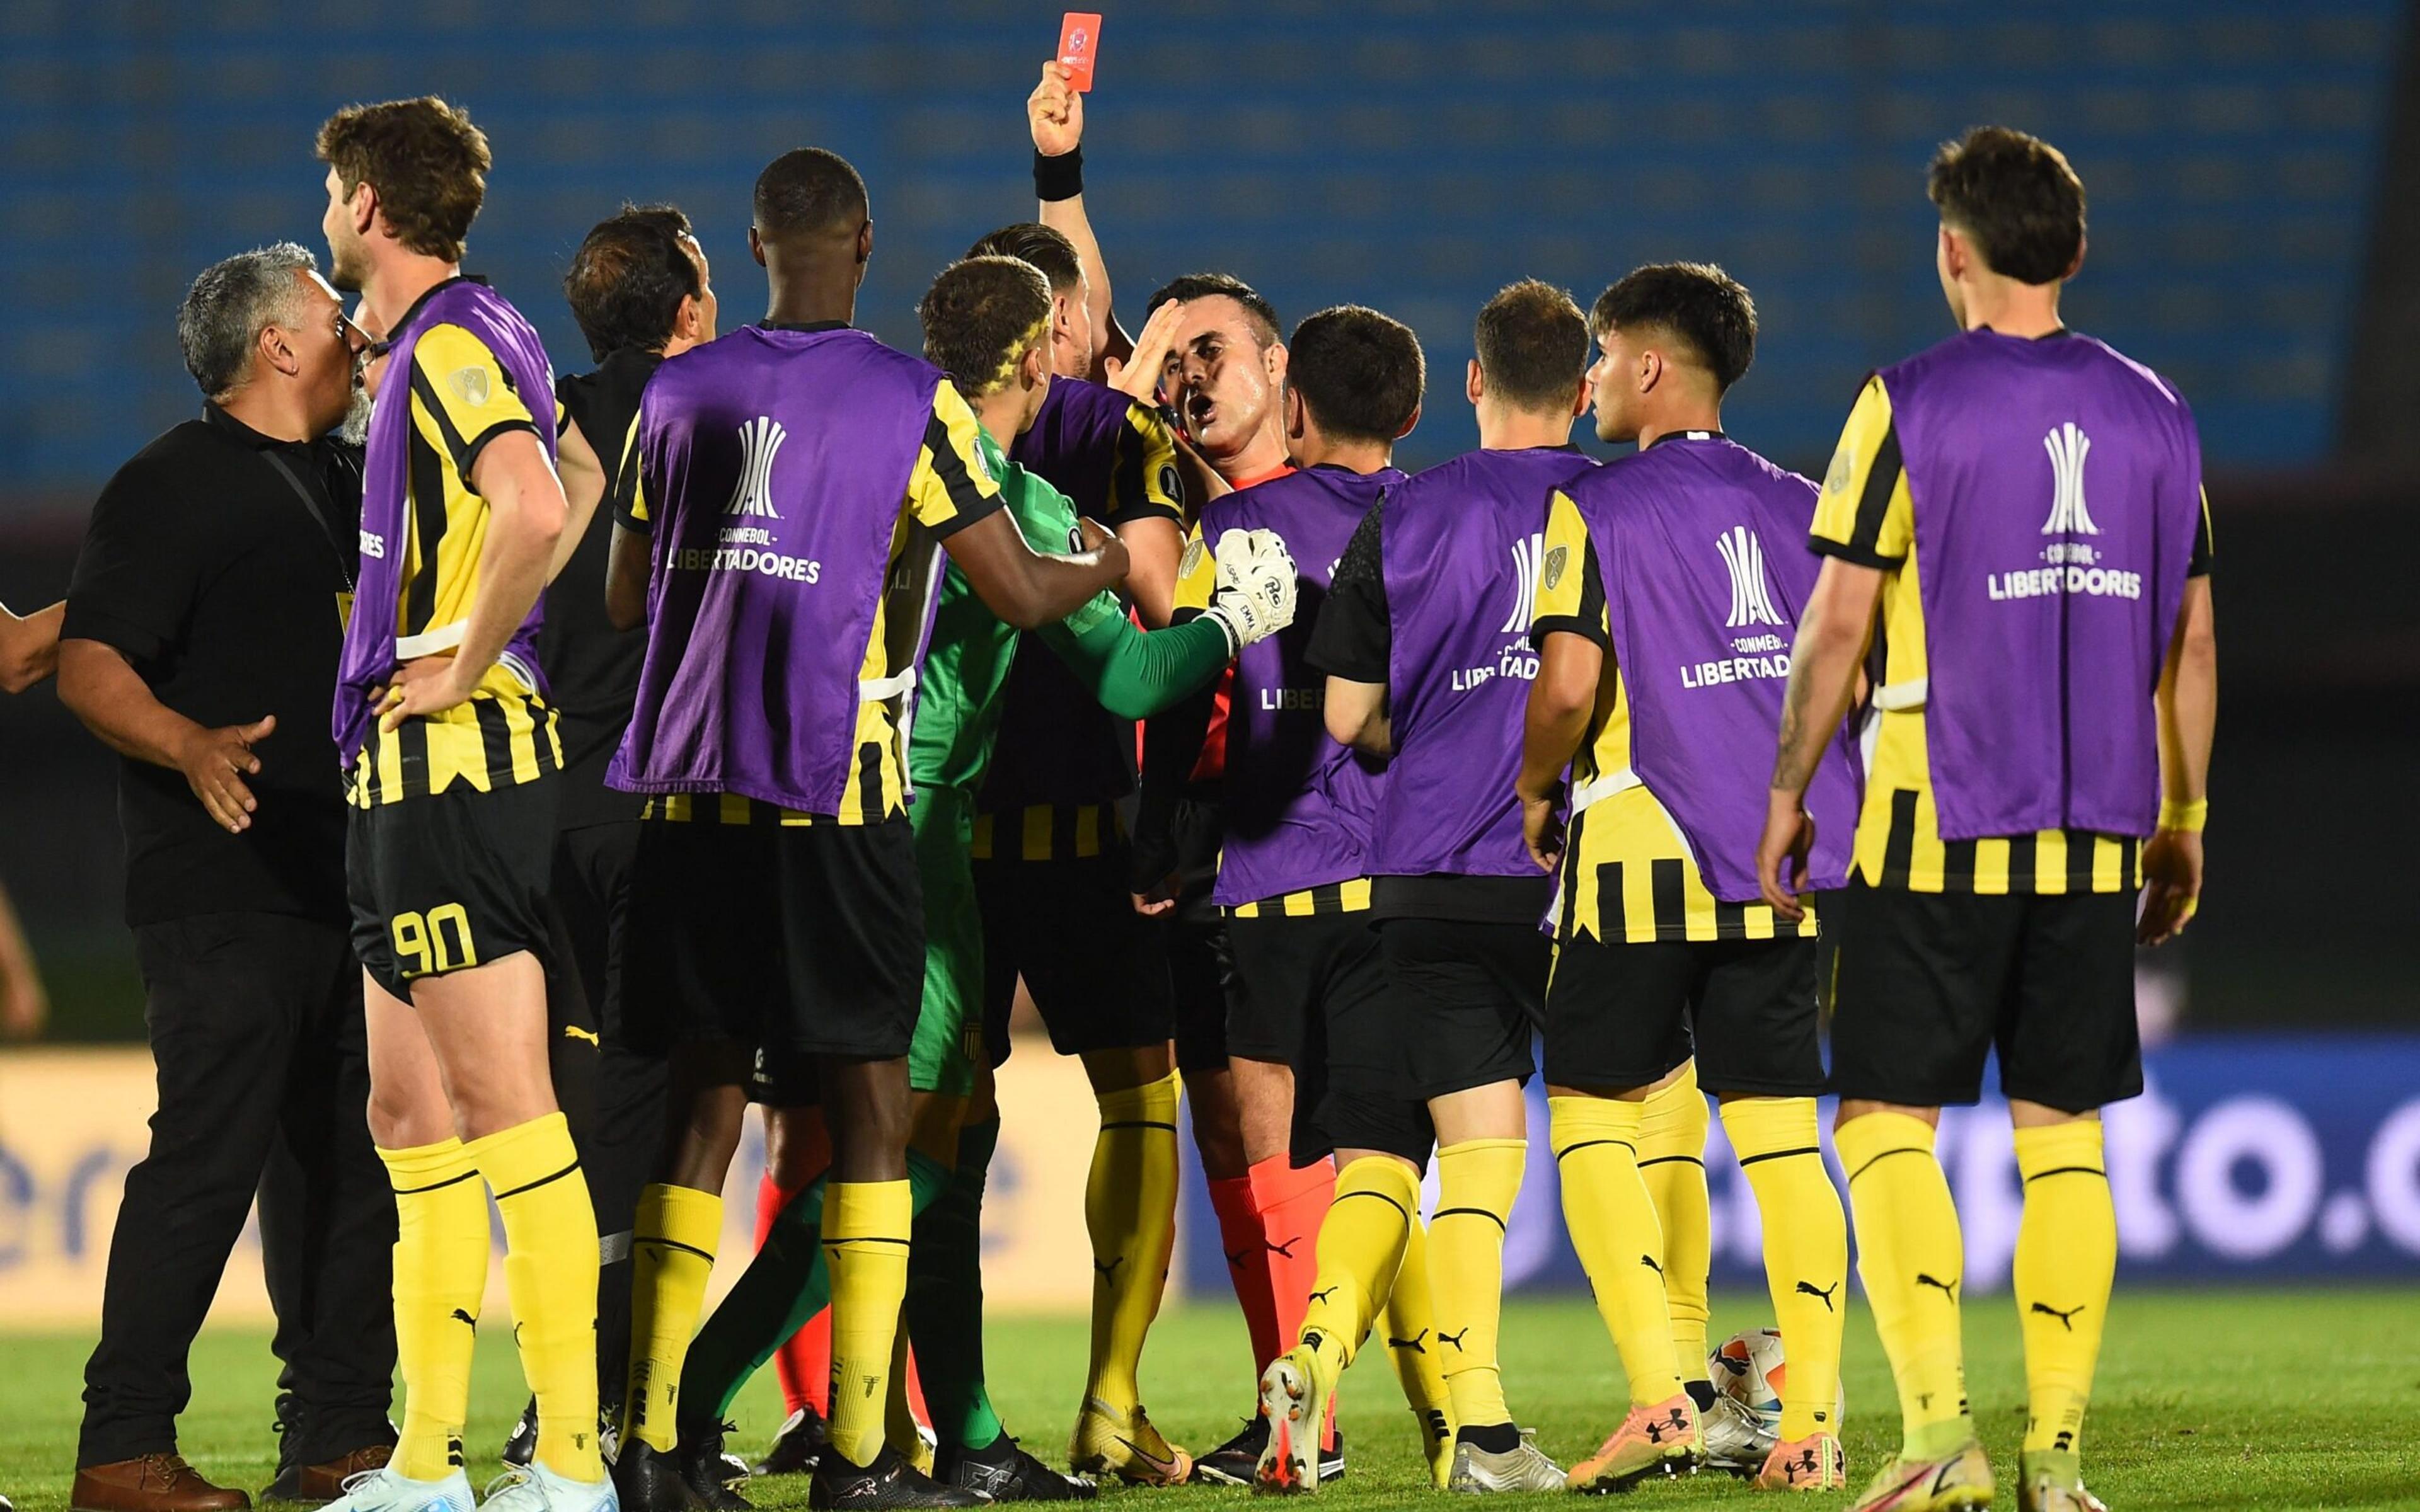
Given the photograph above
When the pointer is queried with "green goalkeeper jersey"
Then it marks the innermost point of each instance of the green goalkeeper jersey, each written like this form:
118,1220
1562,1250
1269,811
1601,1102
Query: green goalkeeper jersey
958,694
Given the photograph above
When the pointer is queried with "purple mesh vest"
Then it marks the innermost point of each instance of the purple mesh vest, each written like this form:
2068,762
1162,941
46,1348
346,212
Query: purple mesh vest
1298,807
368,659
775,465
1698,541
2056,487
1459,545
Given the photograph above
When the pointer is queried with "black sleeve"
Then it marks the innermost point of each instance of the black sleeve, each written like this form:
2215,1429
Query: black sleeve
1588,621
2198,565
1353,638
1171,745
136,576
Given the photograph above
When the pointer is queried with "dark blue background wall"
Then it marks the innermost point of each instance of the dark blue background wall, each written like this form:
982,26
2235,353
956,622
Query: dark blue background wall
1412,156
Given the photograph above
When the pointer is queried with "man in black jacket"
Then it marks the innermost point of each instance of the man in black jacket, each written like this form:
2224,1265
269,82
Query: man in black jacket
200,643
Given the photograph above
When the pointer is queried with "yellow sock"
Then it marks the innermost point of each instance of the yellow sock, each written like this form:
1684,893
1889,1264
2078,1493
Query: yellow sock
1672,1162
673,1241
1613,1228
1476,1181
1130,1211
1360,1248
441,1272
1409,1318
1912,1261
898,1417
550,1275
1806,1250
2067,1254
866,1248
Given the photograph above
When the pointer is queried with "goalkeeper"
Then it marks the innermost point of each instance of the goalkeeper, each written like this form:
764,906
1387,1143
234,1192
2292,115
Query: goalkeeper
986,322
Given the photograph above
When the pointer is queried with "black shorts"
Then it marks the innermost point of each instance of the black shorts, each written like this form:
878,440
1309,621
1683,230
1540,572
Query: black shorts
1097,970
1473,996
443,880
807,938
1201,968
1928,983
1311,990
1619,1016
591,885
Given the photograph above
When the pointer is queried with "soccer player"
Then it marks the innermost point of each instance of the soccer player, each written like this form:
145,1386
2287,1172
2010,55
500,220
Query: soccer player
1311,1027
2047,699
441,721
1424,638
1052,866
1660,626
638,288
786,502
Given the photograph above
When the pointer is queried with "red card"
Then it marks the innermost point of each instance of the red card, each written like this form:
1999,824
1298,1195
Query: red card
1079,39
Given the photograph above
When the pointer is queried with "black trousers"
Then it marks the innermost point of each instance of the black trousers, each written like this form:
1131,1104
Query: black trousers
257,1033
619,1146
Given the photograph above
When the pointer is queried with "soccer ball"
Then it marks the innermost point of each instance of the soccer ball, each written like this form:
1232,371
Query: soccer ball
1750,1371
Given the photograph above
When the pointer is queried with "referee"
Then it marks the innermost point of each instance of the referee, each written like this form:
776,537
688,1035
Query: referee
200,645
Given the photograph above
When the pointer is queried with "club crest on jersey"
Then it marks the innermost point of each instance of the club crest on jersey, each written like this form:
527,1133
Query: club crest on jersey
1751,596
1556,559
470,385
1192,561
760,439
2067,446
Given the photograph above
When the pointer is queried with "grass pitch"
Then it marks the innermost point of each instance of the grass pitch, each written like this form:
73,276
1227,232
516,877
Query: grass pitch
2217,1398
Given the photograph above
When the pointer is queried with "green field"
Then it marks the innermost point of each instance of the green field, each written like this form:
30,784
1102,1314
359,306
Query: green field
2222,1398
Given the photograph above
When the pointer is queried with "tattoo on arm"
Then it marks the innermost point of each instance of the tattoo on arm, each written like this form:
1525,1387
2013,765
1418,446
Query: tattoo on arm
1794,766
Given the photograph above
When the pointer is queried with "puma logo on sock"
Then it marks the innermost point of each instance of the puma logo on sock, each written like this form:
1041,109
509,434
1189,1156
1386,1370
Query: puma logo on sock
1413,1343
1823,1294
1947,1289
2066,1320
1110,1271
1454,1339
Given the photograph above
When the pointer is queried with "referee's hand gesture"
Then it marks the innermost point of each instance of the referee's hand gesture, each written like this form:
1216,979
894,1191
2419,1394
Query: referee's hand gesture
216,762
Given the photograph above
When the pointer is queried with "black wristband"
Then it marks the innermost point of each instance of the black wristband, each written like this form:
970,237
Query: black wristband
1059,177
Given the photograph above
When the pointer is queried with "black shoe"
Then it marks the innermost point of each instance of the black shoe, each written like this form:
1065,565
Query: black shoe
646,1480
1005,1472
796,1447
890,1481
1331,1460
1233,1463
288,1429
711,1474
520,1445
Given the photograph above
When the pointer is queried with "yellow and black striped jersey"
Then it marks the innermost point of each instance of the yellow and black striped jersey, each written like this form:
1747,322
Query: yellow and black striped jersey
1628,876
1047,832
1348,897
462,399
1866,515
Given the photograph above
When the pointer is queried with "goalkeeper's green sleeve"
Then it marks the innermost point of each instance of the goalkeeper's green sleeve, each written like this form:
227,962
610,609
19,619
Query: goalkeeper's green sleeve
1133,674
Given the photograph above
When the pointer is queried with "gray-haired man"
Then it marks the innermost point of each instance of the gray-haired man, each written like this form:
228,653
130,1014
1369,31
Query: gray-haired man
200,645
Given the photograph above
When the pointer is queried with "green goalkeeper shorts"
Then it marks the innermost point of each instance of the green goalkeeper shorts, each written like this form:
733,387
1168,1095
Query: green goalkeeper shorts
950,1023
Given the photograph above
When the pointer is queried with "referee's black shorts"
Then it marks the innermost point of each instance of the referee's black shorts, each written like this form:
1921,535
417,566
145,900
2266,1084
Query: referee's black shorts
1928,983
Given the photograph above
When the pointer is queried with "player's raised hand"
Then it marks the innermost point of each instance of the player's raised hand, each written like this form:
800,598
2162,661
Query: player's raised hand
215,764
2172,886
1781,855
1140,376
1257,586
1054,112
424,685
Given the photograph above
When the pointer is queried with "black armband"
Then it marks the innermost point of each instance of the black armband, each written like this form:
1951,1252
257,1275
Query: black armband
1059,177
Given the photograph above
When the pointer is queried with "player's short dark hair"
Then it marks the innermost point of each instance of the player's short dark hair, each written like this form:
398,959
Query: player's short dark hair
220,321
981,314
1045,247
1532,345
1360,373
1185,290
809,191
426,161
1697,303
2016,196
629,278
